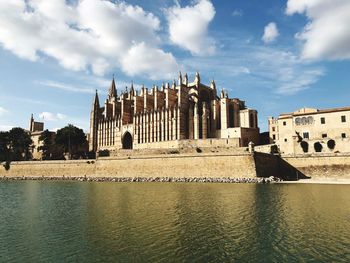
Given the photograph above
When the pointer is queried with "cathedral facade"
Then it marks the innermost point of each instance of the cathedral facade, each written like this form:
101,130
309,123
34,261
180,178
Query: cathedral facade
170,116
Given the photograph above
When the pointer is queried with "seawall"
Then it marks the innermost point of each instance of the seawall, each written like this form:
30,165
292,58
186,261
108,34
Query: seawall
190,165
333,166
200,165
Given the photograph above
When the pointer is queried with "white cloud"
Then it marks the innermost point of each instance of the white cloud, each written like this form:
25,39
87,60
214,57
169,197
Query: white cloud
188,27
64,86
327,34
141,59
237,13
300,82
249,66
270,33
3,111
286,71
48,116
91,34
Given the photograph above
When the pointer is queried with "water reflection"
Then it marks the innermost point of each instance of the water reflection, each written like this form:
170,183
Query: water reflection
160,222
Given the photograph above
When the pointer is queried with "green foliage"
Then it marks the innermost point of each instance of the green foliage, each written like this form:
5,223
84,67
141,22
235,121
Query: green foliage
71,138
15,145
274,149
103,153
20,142
47,147
4,146
7,165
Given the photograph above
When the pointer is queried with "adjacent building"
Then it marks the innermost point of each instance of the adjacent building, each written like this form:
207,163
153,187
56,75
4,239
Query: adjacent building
35,130
309,130
170,116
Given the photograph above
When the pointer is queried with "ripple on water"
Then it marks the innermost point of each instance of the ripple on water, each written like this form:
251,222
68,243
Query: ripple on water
161,222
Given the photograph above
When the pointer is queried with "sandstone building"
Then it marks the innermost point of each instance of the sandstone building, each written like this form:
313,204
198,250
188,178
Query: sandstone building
35,130
310,130
170,117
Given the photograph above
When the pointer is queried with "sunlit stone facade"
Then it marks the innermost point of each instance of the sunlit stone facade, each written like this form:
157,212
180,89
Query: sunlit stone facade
170,115
309,130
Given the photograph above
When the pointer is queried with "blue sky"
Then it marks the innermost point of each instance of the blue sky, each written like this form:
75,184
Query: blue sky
277,55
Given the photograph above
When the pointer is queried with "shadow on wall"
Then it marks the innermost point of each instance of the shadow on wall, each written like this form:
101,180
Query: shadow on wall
267,165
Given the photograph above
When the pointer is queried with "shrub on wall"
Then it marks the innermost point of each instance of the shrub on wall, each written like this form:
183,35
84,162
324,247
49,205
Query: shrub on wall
274,149
103,153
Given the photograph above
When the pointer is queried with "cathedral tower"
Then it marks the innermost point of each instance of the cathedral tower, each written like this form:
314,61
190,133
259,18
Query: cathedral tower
94,119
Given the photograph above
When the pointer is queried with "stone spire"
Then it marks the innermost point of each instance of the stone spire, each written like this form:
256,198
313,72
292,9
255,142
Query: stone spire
197,79
180,78
173,86
112,93
222,94
94,119
212,85
96,102
185,79
132,90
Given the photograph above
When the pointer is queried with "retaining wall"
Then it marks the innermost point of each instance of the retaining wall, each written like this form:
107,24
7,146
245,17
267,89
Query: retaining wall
332,166
215,166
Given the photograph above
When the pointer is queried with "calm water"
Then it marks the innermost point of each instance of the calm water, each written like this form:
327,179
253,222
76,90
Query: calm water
173,222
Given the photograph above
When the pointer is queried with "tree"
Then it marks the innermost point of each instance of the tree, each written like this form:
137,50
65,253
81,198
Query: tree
19,142
47,144
4,146
71,138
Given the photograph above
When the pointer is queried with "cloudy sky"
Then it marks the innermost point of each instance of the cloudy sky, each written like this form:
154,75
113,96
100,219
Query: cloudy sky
277,55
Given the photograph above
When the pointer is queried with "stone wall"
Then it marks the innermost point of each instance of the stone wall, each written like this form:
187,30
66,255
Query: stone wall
267,148
266,164
205,164
190,165
321,165
335,166
210,142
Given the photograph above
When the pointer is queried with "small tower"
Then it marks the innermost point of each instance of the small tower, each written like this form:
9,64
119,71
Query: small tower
185,79
197,78
142,90
112,93
31,123
212,85
35,126
180,79
222,94
132,90
94,119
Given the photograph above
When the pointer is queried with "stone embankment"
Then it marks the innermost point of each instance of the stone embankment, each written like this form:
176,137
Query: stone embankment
150,179
197,165
186,167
